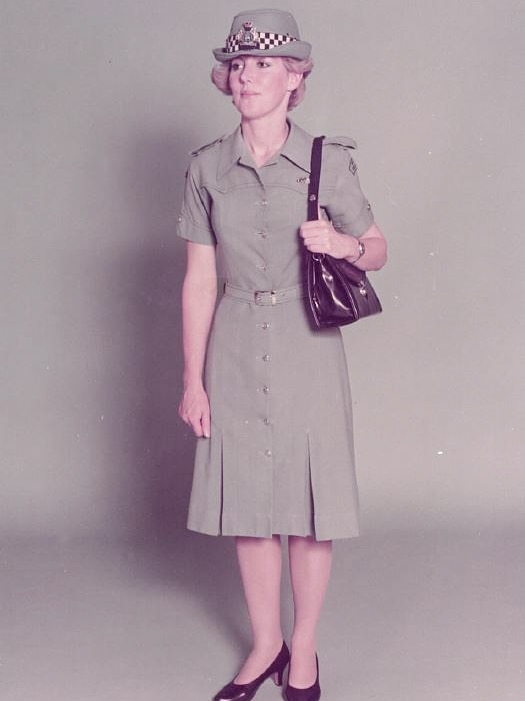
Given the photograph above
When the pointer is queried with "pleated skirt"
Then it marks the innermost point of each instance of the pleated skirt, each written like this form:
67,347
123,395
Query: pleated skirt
280,458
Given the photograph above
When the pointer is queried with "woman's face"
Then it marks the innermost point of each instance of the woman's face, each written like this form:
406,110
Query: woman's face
261,86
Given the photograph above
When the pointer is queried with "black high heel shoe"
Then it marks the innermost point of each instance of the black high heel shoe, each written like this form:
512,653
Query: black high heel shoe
312,693
246,692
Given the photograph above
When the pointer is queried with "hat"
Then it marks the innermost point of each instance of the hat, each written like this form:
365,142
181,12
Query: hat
263,33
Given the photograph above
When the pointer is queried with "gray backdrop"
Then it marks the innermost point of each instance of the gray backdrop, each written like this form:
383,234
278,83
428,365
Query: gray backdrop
101,104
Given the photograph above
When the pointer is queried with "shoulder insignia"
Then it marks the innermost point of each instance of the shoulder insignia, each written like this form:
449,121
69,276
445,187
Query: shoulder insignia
352,166
197,151
344,141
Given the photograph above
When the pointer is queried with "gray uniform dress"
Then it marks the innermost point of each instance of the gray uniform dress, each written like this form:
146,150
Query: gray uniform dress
280,458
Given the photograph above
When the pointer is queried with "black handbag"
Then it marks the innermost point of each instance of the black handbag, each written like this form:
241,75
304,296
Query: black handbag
339,293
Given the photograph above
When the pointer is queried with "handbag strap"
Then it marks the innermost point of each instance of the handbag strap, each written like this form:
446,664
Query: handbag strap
315,174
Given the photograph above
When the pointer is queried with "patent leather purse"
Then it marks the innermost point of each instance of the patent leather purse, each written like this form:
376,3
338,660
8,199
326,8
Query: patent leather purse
339,293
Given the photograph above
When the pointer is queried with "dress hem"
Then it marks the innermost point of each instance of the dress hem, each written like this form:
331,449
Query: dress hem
339,535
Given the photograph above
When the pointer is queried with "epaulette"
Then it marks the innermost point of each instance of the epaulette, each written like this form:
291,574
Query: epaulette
344,141
206,146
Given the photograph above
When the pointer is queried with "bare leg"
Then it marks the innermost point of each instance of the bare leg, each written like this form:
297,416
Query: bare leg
260,566
310,564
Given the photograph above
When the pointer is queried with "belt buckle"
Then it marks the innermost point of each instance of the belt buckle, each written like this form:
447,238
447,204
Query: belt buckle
259,299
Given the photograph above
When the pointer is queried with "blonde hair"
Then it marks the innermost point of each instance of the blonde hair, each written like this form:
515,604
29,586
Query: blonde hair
220,75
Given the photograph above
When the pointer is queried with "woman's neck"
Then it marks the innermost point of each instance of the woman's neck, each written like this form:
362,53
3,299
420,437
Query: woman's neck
264,137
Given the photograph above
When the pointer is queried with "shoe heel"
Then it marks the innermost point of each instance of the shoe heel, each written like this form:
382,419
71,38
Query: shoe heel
278,677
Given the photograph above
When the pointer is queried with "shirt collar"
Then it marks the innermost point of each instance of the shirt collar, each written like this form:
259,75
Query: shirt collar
232,148
297,148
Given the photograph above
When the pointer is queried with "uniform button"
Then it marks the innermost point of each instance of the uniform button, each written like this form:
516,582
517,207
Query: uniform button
266,389
262,234
261,266
179,218
266,325
267,421
266,358
268,453
261,203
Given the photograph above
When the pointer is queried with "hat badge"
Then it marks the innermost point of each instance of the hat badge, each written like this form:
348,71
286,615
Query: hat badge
248,36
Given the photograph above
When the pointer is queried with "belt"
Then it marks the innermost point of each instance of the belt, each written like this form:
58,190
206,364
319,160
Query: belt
265,298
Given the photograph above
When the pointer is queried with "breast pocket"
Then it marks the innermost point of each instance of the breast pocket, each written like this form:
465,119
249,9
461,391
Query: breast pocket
288,205
234,210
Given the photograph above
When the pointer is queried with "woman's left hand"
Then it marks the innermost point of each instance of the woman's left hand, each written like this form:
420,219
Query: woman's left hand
319,236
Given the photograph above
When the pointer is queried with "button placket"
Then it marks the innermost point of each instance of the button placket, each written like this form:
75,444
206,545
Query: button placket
261,231
263,325
265,416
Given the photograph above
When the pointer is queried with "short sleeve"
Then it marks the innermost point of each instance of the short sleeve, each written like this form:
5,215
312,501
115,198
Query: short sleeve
347,207
194,221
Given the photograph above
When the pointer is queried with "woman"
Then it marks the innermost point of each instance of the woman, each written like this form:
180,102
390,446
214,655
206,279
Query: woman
273,413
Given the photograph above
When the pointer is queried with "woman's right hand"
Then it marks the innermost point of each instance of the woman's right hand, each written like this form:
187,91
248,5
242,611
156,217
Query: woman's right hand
194,410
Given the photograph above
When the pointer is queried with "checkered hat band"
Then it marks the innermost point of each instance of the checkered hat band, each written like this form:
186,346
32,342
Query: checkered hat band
265,40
